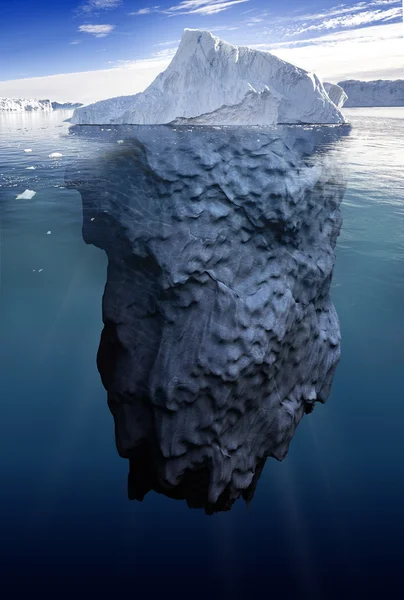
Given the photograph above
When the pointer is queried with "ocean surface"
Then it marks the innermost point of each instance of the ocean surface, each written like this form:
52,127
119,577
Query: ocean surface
327,522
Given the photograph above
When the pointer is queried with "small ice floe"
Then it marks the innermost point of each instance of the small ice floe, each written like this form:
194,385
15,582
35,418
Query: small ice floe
92,218
28,150
31,168
56,155
120,141
48,232
27,195
40,270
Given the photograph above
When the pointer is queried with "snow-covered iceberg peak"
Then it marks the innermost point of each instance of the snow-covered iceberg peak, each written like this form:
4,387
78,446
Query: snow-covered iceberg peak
208,75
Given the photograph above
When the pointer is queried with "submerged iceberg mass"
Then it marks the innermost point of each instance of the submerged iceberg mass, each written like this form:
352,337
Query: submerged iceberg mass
219,330
382,92
24,104
216,82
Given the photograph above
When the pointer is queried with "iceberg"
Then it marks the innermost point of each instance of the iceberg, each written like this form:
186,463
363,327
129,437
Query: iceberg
219,330
66,105
335,93
382,92
24,105
215,82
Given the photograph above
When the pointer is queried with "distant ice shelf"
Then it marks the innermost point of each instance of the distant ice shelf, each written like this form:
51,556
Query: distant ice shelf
382,92
213,82
65,105
24,104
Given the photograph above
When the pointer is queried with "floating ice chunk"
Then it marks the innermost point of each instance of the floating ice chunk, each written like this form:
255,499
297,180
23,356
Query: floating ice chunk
120,141
28,150
55,155
40,270
92,219
31,168
48,232
27,195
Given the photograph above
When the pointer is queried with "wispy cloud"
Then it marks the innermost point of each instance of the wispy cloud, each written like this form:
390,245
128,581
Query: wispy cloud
170,43
74,42
202,7
97,30
367,53
93,6
342,21
144,11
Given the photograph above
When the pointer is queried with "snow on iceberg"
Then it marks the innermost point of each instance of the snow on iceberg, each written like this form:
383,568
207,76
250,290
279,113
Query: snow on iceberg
238,84
24,104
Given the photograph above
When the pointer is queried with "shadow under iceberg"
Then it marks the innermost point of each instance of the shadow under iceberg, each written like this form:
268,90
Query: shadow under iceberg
219,331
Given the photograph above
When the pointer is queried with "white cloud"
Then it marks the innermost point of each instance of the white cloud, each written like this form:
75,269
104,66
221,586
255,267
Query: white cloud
202,7
74,42
97,30
363,17
92,6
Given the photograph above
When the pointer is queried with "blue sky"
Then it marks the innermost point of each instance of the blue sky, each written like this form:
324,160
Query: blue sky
39,38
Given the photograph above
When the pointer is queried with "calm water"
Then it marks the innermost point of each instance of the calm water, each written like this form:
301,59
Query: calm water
326,523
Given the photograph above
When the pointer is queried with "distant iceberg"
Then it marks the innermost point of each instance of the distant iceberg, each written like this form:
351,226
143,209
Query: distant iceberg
24,104
382,92
213,82
65,105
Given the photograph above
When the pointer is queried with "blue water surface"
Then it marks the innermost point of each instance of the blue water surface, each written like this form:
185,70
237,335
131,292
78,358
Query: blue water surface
328,522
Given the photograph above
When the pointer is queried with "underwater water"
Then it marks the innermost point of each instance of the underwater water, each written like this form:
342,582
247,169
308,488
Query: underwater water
326,522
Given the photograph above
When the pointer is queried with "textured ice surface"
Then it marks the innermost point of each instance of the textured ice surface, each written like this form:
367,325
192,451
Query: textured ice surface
336,94
207,75
374,93
219,331
24,104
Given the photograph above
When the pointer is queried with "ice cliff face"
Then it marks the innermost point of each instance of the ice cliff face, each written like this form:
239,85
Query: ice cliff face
24,104
219,331
374,93
209,76
336,94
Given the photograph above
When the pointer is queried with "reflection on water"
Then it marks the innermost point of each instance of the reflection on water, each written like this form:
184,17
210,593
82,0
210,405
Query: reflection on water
219,332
